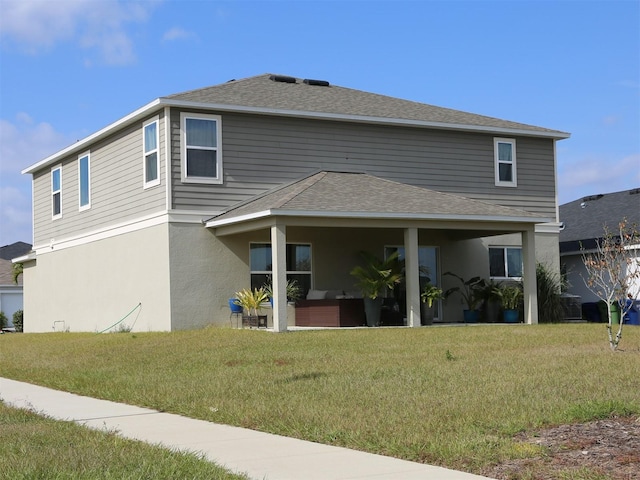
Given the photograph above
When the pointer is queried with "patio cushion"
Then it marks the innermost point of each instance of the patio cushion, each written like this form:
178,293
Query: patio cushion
317,294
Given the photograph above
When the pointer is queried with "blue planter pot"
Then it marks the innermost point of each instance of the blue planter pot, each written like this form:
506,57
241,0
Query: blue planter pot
234,307
471,316
511,316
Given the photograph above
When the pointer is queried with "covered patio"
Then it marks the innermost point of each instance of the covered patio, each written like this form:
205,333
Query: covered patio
337,208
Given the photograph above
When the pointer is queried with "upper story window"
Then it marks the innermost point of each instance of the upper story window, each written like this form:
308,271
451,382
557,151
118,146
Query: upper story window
84,182
56,192
505,262
151,153
505,162
201,148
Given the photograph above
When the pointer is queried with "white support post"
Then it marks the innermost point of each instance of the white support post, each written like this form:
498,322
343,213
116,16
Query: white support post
529,276
279,276
412,276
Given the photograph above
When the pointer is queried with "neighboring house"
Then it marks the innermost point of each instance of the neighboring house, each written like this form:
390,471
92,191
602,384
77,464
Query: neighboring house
197,195
11,295
583,223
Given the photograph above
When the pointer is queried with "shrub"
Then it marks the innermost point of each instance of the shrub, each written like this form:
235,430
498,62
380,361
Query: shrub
18,319
549,302
3,320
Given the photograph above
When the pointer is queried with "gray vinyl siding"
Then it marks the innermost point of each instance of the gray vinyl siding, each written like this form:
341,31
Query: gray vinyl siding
262,152
116,188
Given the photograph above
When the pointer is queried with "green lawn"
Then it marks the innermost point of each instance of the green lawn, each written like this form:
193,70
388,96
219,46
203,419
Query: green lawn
450,396
38,447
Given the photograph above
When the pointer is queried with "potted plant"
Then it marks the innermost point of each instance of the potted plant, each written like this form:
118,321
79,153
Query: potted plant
430,293
293,290
470,291
374,277
511,298
491,296
251,301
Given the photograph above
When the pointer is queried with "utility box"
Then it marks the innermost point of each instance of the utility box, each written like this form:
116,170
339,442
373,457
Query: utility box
572,307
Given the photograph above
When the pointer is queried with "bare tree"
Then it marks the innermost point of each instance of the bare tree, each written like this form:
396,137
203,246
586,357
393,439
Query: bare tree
613,272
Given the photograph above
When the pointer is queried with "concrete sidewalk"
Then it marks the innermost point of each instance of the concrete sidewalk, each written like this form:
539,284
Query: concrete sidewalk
259,455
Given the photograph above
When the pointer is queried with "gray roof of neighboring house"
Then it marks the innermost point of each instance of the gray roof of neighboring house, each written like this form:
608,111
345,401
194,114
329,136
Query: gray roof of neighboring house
341,194
584,219
261,92
14,250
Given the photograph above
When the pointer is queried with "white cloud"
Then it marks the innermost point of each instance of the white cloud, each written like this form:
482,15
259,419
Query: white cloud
595,175
15,214
26,142
22,143
34,26
177,33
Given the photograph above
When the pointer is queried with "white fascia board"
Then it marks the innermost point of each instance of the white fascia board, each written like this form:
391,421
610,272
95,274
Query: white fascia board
85,142
553,227
361,119
213,223
24,258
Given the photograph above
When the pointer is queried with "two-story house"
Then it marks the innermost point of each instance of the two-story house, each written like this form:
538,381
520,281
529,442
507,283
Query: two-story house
197,195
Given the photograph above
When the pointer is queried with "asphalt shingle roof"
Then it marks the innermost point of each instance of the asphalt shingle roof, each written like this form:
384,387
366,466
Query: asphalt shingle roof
262,92
339,193
14,250
585,218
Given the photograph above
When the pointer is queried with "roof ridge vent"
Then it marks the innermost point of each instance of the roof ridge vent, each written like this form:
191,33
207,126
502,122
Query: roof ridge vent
319,83
635,191
593,197
282,78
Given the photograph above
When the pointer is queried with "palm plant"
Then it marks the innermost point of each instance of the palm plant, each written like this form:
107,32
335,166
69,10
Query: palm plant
293,289
377,275
374,278
470,290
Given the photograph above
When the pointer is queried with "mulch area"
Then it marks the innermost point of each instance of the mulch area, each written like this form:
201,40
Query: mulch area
608,448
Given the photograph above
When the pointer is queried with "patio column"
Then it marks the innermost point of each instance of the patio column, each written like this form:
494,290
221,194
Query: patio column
279,276
529,276
412,276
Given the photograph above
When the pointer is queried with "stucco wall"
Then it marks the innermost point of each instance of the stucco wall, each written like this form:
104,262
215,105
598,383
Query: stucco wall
205,272
92,286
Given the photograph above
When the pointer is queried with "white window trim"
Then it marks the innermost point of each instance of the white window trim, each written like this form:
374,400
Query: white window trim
53,192
183,148
513,163
506,264
152,183
88,205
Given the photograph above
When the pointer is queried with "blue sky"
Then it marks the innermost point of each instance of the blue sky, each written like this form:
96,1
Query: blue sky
71,67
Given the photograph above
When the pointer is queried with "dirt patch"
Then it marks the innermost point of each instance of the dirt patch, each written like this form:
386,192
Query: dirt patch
603,449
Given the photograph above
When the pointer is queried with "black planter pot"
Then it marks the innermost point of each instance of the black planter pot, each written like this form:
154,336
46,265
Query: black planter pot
372,309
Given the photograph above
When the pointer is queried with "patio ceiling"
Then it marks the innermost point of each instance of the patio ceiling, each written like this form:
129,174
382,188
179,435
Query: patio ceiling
346,199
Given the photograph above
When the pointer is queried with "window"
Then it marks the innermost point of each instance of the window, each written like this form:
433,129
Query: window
151,156
298,265
505,162
428,272
505,262
56,192
201,152
84,182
